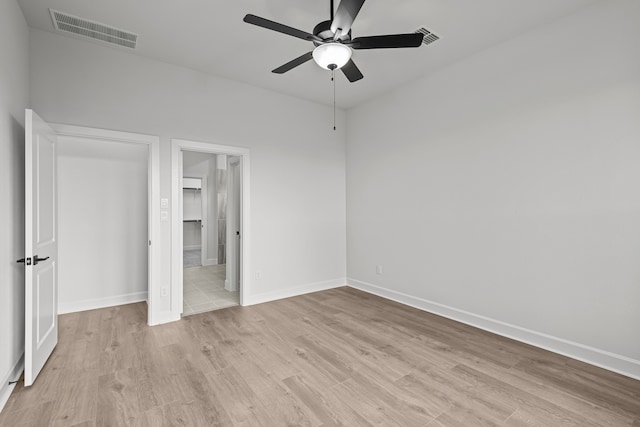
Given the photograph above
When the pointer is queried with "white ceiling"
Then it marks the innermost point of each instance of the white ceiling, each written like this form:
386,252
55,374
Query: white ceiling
210,36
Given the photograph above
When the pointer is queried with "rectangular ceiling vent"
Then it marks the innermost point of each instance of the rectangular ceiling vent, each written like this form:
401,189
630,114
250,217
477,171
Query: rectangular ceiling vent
429,37
92,29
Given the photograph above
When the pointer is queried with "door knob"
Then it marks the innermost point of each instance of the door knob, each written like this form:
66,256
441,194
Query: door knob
36,259
26,261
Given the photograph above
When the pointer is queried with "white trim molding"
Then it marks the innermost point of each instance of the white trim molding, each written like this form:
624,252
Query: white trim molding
295,291
153,142
92,304
603,359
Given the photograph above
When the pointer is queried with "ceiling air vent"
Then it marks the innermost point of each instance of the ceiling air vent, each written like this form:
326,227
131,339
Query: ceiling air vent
92,29
429,37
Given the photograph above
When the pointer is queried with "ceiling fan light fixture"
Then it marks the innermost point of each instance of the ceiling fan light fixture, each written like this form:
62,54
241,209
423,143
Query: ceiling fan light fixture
332,56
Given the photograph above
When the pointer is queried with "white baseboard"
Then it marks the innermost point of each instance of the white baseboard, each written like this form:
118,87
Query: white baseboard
92,304
12,375
192,247
601,358
211,261
294,291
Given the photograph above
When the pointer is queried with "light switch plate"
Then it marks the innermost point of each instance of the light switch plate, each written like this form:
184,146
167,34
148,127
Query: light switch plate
164,203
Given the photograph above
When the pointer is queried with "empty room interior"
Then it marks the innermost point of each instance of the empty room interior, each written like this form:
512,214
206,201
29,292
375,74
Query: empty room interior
319,213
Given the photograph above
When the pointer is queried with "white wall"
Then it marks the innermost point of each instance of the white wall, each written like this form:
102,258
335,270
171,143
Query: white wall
506,186
297,160
191,235
14,98
102,223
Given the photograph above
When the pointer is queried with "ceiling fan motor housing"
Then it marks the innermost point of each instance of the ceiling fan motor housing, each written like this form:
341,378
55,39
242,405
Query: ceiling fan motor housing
323,30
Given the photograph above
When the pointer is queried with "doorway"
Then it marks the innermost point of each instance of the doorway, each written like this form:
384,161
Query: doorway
209,256
103,223
204,238
197,224
92,139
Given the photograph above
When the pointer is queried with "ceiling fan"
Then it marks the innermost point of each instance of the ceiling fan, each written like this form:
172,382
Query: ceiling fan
333,42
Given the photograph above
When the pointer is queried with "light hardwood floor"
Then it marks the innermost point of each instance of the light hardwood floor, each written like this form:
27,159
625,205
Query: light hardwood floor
339,357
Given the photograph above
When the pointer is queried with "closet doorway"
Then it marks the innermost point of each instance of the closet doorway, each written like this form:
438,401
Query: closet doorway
198,217
209,271
86,211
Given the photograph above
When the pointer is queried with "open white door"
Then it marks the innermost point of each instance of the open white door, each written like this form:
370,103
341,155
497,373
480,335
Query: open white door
41,246
234,224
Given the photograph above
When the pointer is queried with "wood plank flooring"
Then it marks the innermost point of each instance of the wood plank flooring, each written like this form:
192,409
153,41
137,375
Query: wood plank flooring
339,357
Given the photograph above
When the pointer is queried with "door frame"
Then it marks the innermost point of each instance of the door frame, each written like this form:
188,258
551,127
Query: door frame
154,316
177,147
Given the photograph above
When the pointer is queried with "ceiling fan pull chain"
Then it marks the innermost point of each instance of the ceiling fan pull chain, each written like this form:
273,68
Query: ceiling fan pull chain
333,79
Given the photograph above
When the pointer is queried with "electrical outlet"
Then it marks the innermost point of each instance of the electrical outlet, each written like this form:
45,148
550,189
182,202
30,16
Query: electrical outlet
164,291
258,274
379,270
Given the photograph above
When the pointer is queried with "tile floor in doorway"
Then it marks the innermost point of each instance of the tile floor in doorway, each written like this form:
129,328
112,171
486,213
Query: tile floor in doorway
204,290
